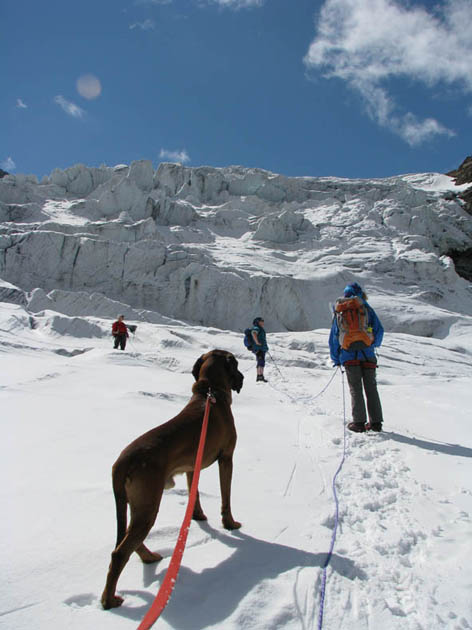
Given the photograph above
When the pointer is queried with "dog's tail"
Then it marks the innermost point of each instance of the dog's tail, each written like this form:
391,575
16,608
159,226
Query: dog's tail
121,503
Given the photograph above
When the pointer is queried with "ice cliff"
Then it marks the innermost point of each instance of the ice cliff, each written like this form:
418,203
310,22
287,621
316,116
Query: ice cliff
217,246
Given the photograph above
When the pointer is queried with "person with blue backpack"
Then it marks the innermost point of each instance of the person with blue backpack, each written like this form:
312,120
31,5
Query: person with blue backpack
356,332
255,341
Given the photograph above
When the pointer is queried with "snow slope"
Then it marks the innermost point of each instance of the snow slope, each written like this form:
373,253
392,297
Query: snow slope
402,554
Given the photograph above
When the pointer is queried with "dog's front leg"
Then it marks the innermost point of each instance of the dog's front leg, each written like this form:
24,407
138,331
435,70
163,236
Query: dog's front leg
198,514
225,463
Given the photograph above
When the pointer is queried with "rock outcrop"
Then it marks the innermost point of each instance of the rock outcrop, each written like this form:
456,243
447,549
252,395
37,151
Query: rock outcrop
463,258
463,175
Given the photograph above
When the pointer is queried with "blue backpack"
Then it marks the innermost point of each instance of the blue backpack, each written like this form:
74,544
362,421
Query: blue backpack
248,339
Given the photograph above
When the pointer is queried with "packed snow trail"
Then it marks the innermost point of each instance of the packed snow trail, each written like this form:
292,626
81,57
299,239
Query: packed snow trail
392,541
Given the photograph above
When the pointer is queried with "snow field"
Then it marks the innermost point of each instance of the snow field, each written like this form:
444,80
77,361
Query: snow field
401,558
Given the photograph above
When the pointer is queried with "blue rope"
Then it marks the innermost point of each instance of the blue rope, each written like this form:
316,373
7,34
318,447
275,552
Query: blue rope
336,516
324,388
294,399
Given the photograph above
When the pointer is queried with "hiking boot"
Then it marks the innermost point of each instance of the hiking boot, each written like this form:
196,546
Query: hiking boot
356,427
373,426
260,377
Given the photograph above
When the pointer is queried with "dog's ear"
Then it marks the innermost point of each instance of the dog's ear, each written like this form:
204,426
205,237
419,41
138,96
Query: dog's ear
196,368
235,375
231,361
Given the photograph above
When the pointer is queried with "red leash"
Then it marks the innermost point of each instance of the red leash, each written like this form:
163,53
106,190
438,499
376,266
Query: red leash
167,586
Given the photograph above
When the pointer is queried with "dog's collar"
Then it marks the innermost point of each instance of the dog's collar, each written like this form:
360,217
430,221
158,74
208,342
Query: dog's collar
211,396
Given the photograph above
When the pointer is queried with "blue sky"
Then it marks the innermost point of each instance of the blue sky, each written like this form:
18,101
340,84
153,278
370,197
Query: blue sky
352,88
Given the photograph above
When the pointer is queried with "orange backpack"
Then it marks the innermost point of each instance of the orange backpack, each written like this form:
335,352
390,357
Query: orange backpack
353,323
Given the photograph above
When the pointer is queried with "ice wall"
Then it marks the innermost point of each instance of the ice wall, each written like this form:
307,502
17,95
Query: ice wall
217,246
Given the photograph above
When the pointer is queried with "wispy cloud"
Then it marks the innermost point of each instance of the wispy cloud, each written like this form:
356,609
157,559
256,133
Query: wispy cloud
237,4
367,43
21,104
415,131
8,164
147,25
175,156
153,2
70,108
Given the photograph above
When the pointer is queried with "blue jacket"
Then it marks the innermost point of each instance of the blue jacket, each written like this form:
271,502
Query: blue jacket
339,356
261,335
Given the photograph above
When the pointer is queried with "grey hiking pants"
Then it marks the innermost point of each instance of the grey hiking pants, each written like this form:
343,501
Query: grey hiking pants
358,377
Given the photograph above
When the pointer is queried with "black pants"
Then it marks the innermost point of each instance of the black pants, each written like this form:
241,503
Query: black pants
120,340
360,377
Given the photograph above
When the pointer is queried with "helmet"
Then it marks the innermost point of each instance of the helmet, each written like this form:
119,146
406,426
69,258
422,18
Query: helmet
257,320
353,289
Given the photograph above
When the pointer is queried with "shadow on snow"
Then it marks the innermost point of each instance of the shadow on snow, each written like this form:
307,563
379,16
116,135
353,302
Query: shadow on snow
439,447
210,596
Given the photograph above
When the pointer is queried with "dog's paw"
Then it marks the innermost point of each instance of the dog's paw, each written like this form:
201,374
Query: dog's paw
169,483
199,516
231,524
150,557
112,602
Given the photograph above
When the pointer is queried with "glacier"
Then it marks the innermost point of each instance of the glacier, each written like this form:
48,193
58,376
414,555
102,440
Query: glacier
212,246
192,255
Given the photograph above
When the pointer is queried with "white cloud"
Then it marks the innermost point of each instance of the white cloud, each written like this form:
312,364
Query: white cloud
21,104
367,43
416,131
175,156
8,164
382,109
147,25
70,108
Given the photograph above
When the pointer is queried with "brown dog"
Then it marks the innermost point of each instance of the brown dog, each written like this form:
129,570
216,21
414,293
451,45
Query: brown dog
148,464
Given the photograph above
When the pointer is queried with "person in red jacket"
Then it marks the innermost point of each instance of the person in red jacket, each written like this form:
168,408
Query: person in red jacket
119,332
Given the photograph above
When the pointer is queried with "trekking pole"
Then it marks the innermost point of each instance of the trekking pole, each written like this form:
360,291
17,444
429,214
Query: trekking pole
277,367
